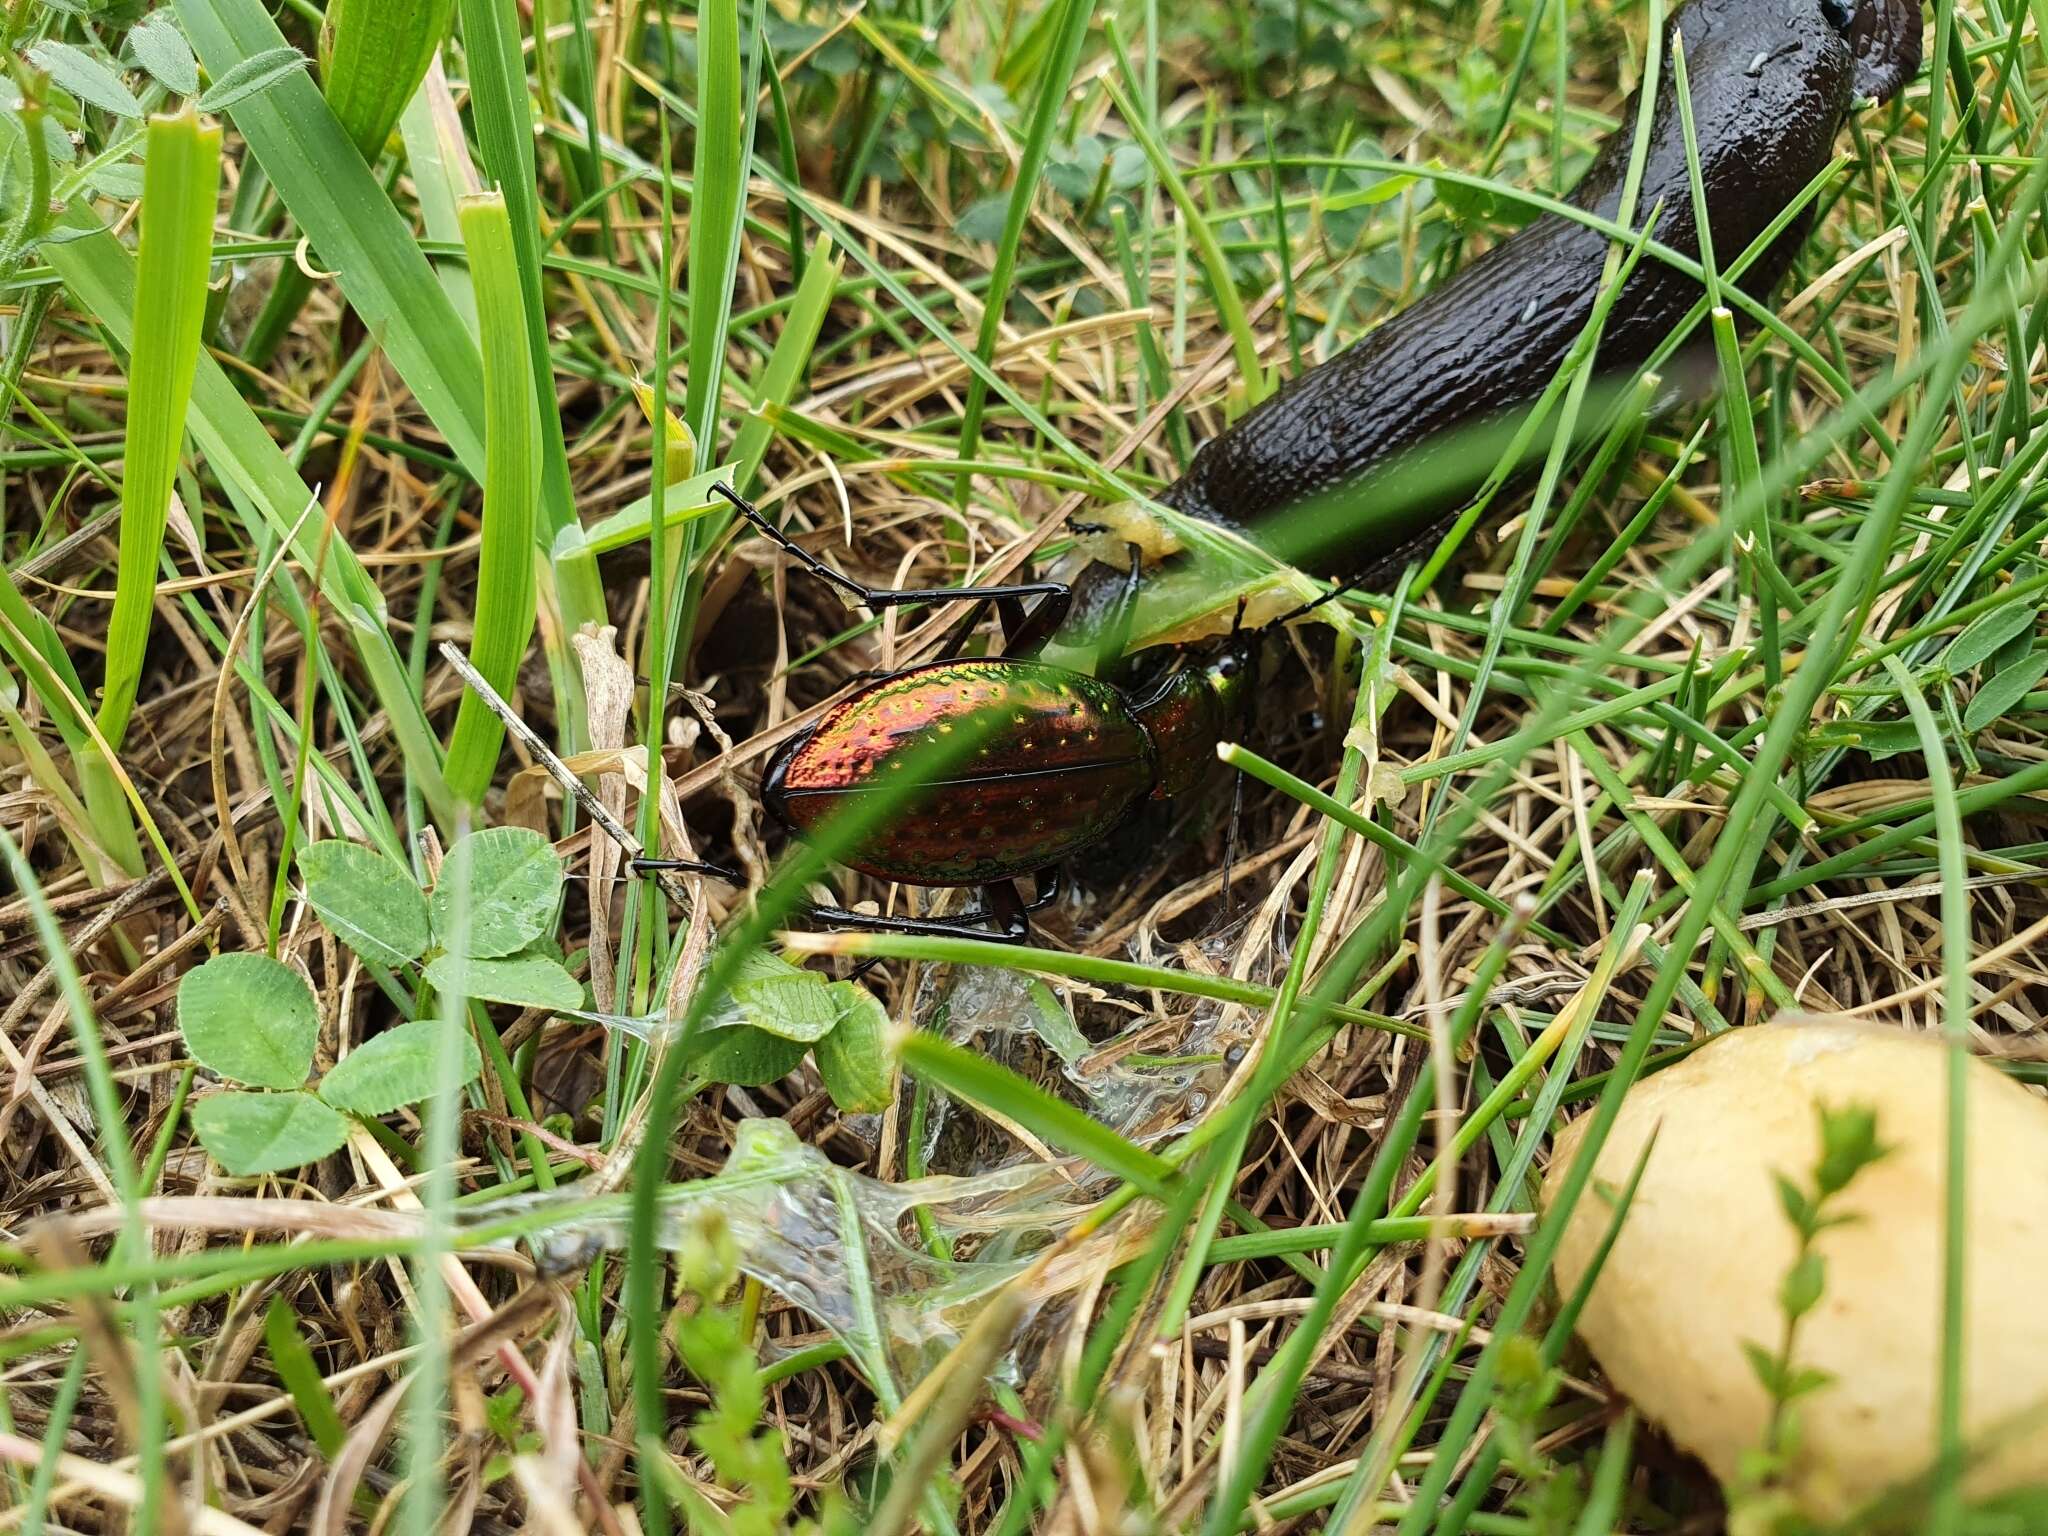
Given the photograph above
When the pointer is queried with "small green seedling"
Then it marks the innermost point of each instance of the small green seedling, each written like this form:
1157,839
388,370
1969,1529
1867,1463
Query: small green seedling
1759,1504
709,1332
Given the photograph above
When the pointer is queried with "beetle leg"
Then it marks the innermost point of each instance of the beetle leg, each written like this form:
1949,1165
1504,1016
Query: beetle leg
1012,917
1003,919
1055,597
1048,890
645,865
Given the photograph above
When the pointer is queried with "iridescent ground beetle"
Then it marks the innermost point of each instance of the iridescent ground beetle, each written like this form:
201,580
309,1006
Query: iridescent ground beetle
1064,758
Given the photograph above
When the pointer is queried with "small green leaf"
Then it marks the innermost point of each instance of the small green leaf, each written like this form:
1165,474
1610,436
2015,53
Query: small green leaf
1985,635
1801,1289
2004,690
799,1006
249,1018
531,981
91,80
160,48
1792,1200
513,880
251,1133
854,1058
122,179
394,1069
369,901
1887,738
1768,1370
1849,1144
1805,1380
983,220
258,72
747,1057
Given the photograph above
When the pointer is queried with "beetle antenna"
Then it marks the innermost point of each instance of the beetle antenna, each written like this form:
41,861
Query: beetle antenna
1309,607
786,544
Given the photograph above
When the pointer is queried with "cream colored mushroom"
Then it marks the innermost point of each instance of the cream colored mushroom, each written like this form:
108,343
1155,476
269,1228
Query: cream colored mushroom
1696,1268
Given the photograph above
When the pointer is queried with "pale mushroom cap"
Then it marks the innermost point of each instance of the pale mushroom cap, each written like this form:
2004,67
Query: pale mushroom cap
1696,1268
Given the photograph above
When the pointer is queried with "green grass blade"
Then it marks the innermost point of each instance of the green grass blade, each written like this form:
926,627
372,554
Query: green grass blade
345,213
717,206
1957,948
504,121
1222,287
506,586
100,275
779,380
1053,82
373,55
301,1377
181,179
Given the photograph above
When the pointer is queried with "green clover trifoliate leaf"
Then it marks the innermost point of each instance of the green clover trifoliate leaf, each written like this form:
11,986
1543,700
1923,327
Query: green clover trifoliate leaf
251,1133
497,892
249,1018
396,1068
370,902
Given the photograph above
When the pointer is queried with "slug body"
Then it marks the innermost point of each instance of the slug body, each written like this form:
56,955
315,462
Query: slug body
1391,436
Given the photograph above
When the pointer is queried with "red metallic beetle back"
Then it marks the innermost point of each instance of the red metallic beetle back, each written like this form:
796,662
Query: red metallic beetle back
1063,762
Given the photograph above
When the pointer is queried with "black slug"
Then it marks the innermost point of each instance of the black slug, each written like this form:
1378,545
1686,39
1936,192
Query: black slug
1374,434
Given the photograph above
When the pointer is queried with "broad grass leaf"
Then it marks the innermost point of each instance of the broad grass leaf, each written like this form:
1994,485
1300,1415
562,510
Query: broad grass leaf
497,892
251,1019
92,80
251,1133
370,902
854,1058
395,1069
530,981
374,54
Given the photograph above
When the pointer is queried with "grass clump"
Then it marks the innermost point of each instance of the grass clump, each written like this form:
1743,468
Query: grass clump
1749,711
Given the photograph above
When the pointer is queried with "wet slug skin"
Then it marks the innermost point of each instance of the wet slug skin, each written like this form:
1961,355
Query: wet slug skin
1352,461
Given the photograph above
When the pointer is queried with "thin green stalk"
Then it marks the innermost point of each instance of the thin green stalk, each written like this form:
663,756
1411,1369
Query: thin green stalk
1230,311
1054,80
181,180
118,1153
506,588
1957,948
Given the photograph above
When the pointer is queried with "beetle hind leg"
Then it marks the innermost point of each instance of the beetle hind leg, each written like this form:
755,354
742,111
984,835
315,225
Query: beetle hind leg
1004,915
